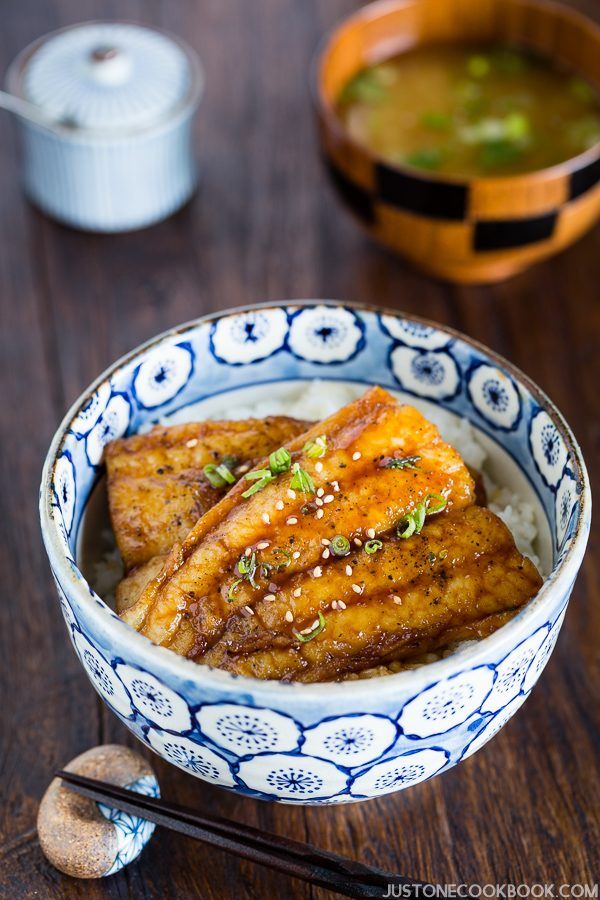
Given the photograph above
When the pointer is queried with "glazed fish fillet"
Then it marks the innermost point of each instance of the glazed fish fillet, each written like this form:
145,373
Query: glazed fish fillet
450,582
157,489
383,460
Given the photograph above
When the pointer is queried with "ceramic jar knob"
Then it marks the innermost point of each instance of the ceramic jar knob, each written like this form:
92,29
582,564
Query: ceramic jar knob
109,65
86,839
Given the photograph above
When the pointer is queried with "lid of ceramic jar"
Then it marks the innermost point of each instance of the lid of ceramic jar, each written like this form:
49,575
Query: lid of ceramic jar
110,76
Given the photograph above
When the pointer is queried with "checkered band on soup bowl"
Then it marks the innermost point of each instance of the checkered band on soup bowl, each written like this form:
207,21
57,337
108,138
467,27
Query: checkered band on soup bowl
481,229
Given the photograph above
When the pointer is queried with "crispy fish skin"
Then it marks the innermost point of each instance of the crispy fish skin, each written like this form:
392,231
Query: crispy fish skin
188,605
459,576
157,489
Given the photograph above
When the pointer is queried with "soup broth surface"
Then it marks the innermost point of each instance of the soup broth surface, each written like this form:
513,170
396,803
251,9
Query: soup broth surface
471,110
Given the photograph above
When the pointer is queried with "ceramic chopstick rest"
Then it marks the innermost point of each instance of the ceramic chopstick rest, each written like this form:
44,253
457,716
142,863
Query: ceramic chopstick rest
85,839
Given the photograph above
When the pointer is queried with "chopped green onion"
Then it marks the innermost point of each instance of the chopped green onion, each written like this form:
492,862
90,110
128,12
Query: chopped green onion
317,448
258,473
301,480
478,66
437,121
247,564
280,461
426,158
340,545
219,475
257,486
313,633
365,87
433,508
413,521
517,126
247,568
418,514
499,153
225,474
261,479
406,526
406,462
232,590
373,546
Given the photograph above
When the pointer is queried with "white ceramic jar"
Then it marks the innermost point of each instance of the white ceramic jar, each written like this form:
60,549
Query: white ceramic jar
121,98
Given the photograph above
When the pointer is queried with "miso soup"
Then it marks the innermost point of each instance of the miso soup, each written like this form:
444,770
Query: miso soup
471,111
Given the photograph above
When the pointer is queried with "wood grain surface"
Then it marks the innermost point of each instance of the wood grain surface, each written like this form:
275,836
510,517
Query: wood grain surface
265,225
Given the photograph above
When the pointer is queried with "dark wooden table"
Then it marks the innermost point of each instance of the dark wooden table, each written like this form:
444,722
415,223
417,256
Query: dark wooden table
265,226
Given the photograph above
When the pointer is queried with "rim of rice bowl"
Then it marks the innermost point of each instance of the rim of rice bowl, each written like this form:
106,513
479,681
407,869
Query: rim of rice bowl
559,579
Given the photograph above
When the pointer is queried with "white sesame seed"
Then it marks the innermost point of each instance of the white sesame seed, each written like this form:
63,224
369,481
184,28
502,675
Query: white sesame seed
291,494
325,553
249,610
262,545
296,554
266,519
335,485
325,542
318,466
306,631
328,499
289,616
317,571
319,514
298,592
241,469
291,520
320,492
279,504
397,599
318,501
334,604
314,624
357,589
247,551
371,533
341,604
348,570
268,598
191,443
356,455
358,542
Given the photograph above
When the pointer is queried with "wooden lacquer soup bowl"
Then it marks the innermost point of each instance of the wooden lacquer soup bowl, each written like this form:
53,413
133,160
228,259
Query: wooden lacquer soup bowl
466,230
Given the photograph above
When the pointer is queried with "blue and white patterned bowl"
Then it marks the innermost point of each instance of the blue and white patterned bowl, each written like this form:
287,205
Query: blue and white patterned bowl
318,743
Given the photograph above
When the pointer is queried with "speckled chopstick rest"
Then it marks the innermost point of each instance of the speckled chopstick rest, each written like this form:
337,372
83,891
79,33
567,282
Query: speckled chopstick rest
85,839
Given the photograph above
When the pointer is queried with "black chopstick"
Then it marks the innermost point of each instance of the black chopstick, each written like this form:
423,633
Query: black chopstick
293,858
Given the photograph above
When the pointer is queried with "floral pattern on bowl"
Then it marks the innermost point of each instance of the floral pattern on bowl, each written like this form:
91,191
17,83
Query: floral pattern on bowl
330,743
